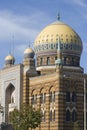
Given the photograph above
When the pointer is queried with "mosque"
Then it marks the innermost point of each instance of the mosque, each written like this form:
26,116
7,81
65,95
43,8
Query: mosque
53,81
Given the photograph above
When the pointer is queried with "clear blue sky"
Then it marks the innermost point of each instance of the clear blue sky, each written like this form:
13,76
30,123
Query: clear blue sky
22,20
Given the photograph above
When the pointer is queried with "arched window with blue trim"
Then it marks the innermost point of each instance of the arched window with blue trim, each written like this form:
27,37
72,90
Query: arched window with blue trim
67,115
74,97
74,115
68,96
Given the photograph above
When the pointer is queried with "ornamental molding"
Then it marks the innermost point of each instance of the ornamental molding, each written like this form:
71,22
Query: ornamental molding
77,48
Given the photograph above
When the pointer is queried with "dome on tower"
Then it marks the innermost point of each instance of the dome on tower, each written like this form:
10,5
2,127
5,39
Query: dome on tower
9,59
29,53
46,44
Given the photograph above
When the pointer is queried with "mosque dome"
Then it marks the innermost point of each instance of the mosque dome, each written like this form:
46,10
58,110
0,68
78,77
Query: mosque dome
29,53
9,59
46,44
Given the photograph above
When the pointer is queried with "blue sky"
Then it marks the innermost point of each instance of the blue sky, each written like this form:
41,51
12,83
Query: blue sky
22,20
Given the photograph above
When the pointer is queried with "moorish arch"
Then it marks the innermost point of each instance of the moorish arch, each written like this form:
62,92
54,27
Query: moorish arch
9,99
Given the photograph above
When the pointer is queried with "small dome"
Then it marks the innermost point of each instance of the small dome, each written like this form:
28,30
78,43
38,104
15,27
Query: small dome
9,59
29,53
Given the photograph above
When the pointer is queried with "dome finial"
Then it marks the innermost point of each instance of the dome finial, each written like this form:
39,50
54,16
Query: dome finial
58,16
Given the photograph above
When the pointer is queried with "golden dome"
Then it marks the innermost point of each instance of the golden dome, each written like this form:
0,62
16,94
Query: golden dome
46,45
55,30
29,53
48,38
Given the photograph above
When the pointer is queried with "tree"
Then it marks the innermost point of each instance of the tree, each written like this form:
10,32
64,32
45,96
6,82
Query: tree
76,126
26,117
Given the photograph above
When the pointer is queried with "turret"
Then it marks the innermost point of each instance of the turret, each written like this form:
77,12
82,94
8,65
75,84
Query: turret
29,61
9,60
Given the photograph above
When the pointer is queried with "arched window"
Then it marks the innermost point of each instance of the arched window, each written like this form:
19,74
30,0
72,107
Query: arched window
43,98
54,115
72,61
64,60
73,97
67,96
73,116
50,115
67,115
56,58
41,60
44,116
52,96
48,60
34,99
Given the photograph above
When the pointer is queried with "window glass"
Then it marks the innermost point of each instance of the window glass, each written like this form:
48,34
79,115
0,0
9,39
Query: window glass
50,115
43,98
41,60
48,60
54,115
73,97
73,116
34,99
67,115
43,116
67,96
52,96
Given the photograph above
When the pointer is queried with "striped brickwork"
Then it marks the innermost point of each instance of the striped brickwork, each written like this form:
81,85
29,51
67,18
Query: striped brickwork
60,85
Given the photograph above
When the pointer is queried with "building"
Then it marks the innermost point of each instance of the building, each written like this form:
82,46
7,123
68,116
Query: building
54,81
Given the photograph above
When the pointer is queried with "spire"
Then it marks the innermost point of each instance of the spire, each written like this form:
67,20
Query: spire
58,16
59,62
59,47
13,44
10,49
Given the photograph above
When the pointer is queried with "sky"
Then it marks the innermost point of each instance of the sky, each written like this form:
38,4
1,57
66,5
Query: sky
22,20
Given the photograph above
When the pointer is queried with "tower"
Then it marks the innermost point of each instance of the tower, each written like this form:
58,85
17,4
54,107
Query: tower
58,49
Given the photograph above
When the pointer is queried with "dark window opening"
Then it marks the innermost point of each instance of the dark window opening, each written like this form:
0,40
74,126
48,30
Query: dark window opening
43,116
43,98
41,60
52,96
73,97
51,115
73,116
67,96
67,115
48,60
34,99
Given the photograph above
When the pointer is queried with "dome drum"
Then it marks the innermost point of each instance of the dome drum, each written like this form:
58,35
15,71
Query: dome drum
67,60
9,62
28,55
